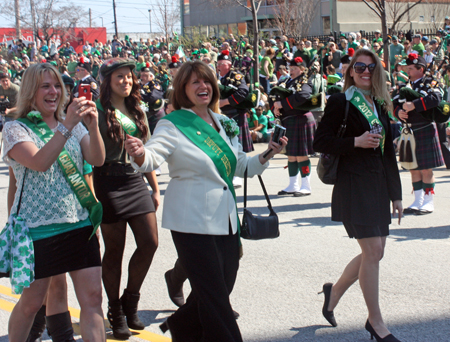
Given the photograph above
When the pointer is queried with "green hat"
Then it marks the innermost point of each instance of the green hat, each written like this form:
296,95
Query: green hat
54,63
402,62
394,38
115,63
195,52
203,51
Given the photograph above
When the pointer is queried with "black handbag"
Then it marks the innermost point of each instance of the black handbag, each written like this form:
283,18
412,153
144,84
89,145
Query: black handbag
258,227
328,163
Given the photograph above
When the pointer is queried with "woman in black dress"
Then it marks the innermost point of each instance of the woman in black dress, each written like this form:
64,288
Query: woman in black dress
368,180
124,194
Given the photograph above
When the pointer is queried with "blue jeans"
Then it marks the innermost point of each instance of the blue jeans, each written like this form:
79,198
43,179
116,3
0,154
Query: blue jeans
264,83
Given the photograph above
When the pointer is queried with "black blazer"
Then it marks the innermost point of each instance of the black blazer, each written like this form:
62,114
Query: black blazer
367,180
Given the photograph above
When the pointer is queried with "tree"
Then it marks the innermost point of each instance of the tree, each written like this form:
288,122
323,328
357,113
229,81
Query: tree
167,16
252,6
295,17
48,19
397,10
437,10
380,9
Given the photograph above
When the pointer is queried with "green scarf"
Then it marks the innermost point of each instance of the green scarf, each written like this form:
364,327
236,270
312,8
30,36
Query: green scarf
73,176
209,141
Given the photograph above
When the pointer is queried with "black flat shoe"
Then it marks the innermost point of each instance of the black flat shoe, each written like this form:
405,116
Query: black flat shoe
422,212
284,193
373,333
410,211
329,315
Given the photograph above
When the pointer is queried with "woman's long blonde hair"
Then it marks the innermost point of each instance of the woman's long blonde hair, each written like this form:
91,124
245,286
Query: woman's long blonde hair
379,87
31,81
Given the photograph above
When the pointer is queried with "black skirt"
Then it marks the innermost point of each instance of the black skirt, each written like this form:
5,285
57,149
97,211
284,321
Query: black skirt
66,252
359,231
122,197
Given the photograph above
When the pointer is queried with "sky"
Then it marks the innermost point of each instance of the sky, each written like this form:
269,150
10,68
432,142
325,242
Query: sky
132,15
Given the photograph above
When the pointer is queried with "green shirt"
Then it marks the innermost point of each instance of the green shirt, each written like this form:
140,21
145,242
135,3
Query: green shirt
71,67
251,119
305,55
419,48
353,45
262,120
269,66
395,50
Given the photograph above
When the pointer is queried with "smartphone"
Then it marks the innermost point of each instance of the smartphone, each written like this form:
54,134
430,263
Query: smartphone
278,133
85,91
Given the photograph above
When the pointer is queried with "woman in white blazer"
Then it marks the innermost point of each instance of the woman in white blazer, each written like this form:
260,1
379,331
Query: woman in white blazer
202,151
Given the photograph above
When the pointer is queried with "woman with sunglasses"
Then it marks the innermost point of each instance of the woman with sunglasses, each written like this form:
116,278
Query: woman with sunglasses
367,180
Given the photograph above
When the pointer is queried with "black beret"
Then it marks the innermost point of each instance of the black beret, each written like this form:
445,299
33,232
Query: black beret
115,63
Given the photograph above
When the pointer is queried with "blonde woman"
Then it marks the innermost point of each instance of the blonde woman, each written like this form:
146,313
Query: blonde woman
367,180
59,226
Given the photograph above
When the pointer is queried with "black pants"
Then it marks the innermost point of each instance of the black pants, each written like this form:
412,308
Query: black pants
211,263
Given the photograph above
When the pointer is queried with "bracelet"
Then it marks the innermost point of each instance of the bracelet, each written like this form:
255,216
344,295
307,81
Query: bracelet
64,131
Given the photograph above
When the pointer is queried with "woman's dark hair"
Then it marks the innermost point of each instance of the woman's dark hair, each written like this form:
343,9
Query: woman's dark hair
178,97
132,102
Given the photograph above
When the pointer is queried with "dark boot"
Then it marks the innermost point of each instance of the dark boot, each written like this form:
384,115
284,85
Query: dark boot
38,327
130,305
175,279
60,327
117,320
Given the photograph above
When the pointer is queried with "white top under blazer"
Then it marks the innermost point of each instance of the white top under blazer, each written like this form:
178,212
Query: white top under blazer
197,199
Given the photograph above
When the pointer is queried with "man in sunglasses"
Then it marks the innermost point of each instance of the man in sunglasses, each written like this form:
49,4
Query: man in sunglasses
428,150
83,74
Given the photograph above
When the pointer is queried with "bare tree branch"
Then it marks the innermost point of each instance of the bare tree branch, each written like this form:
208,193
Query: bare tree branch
373,9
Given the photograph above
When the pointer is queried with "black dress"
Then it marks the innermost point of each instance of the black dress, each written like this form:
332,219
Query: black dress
367,179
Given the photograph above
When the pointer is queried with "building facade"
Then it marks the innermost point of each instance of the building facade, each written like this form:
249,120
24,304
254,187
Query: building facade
204,18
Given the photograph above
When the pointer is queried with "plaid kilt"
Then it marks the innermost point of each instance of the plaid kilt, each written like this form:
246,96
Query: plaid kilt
245,138
428,148
300,134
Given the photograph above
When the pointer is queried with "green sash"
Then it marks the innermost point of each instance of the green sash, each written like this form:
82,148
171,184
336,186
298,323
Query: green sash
127,124
360,102
209,141
73,176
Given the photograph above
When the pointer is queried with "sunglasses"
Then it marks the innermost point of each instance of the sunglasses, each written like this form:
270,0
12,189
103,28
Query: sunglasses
360,67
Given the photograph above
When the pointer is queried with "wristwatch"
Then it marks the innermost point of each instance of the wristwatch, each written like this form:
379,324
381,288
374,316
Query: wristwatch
64,131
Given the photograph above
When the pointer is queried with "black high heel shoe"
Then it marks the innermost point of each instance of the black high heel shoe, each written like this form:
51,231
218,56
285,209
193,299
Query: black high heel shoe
329,315
388,338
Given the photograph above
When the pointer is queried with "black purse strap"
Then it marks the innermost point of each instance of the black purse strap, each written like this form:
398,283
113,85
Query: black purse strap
344,123
263,187
21,191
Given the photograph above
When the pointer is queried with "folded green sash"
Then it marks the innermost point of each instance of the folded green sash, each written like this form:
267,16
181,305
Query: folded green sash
209,141
73,176
127,124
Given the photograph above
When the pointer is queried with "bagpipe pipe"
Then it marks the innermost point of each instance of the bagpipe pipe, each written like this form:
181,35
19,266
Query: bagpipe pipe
313,103
437,114
251,101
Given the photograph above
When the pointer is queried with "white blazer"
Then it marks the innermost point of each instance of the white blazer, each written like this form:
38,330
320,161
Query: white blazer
197,199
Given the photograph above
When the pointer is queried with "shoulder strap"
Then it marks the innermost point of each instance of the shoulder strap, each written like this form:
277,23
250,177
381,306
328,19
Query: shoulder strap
21,191
344,123
263,187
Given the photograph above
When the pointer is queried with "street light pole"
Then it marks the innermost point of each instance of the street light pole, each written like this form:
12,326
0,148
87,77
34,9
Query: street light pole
150,19
102,20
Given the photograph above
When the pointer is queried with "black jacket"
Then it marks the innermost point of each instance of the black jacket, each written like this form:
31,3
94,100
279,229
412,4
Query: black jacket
367,180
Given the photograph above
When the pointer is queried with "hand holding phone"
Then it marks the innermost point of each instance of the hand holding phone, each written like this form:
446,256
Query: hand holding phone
85,91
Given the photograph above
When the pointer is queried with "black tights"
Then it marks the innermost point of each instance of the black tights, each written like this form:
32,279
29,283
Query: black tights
144,228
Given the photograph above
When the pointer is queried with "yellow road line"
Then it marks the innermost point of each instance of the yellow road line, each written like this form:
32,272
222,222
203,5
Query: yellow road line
142,334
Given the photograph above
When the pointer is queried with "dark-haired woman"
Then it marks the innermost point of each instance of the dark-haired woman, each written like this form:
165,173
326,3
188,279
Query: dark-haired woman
124,194
202,212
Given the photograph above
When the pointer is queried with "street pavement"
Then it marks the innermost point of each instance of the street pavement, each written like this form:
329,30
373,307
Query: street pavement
278,280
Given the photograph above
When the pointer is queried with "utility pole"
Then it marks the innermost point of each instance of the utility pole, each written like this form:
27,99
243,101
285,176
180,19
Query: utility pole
90,18
33,19
115,18
150,19
182,16
17,14
166,26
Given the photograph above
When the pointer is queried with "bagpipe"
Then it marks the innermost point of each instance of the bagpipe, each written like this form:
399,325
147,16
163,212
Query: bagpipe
437,114
251,101
314,103
279,93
